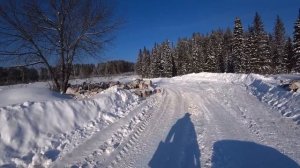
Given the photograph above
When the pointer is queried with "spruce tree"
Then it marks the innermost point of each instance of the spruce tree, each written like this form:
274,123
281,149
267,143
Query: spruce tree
215,59
220,65
250,52
155,62
278,46
210,62
145,62
288,61
182,56
262,56
139,63
266,57
296,44
227,51
167,59
197,53
238,47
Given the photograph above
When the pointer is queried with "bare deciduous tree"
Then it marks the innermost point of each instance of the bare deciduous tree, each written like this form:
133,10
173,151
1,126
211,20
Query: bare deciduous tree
54,33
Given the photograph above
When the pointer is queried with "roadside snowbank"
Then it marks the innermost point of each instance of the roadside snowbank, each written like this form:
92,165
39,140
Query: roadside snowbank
11,96
34,133
266,88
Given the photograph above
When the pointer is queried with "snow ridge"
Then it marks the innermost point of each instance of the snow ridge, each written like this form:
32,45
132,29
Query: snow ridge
35,133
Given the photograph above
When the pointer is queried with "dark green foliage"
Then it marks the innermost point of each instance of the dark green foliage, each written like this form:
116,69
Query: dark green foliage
139,63
296,44
227,51
197,55
278,43
260,59
166,59
289,61
112,68
14,75
252,51
156,66
183,56
215,60
238,48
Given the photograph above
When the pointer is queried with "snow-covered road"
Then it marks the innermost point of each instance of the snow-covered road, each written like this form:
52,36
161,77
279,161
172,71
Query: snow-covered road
193,124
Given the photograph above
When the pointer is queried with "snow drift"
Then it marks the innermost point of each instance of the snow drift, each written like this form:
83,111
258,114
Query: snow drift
13,96
33,133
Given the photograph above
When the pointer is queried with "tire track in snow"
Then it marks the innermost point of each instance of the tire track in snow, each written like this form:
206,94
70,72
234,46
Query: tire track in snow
128,146
107,140
212,120
252,119
219,111
170,110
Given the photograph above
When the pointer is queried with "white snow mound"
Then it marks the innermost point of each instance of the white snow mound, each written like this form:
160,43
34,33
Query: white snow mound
32,133
12,96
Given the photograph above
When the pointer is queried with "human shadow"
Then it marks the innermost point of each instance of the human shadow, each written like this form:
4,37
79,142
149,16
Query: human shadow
236,154
180,149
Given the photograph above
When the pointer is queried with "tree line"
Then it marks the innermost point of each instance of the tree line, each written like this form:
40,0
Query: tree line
231,51
15,75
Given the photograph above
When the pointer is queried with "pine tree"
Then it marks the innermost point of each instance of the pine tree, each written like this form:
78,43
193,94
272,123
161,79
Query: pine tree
238,47
296,44
288,61
182,57
250,52
167,59
197,54
278,46
265,51
155,62
210,61
215,59
261,59
227,51
145,62
139,63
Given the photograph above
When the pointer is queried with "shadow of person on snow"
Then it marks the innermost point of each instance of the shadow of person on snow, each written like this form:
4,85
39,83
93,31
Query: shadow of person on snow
236,154
180,149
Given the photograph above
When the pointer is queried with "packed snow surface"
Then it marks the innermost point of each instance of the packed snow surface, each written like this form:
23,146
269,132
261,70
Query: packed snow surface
198,120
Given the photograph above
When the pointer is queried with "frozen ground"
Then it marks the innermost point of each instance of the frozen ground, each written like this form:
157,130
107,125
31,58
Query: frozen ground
199,120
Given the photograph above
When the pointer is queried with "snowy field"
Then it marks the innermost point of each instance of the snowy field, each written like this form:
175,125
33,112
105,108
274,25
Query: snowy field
198,120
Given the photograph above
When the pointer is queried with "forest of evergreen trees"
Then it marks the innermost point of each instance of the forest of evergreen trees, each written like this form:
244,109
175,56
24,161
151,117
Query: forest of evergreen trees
238,51
14,75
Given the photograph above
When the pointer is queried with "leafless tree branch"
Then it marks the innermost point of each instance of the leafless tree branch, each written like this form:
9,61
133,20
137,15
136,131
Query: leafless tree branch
61,30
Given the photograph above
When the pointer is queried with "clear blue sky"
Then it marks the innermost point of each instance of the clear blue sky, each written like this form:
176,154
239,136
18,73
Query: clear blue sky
150,21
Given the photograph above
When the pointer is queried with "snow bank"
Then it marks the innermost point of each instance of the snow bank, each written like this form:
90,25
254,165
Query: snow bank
12,96
39,91
266,88
220,77
34,133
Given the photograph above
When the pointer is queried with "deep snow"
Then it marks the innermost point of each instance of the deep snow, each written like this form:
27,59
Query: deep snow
205,119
